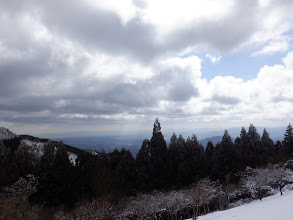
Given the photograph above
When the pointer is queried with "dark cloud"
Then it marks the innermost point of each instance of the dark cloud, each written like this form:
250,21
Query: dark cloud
213,110
16,75
225,100
223,34
131,95
104,30
281,98
27,104
87,95
98,29
177,85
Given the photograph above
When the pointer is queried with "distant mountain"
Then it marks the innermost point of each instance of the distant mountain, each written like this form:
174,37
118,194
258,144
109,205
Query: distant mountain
109,143
6,134
106,143
34,144
132,141
214,140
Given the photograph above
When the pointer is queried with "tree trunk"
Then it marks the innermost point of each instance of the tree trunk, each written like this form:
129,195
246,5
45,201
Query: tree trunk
197,210
194,214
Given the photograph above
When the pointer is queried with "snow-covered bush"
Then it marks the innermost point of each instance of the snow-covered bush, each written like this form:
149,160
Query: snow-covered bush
263,182
157,205
97,209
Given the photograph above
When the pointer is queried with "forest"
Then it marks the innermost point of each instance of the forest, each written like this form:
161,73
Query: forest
178,181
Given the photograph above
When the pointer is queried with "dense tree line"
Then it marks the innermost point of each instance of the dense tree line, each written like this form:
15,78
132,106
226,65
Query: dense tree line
156,166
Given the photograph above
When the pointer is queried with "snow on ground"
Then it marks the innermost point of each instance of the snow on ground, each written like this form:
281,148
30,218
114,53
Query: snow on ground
72,157
37,148
6,134
270,208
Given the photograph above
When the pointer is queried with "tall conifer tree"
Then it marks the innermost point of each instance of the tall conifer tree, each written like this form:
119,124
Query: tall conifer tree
158,157
287,144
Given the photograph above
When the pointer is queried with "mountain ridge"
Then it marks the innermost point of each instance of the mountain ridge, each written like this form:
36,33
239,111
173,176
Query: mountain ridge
5,134
35,144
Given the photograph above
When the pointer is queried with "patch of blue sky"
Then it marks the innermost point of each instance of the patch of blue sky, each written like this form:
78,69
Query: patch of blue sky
239,65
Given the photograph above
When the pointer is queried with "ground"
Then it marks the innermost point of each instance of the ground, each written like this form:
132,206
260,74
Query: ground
270,208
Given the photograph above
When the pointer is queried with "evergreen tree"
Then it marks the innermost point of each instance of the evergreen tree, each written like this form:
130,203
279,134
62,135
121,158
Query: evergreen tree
278,146
23,161
57,178
267,145
287,144
182,171
66,176
251,148
174,155
102,179
226,159
143,166
253,140
177,163
82,158
125,172
115,158
173,141
195,160
3,150
85,163
242,141
209,154
97,174
158,158
5,165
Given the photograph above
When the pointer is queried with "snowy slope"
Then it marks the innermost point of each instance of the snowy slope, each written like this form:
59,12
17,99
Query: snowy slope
270,208
37,149
6,134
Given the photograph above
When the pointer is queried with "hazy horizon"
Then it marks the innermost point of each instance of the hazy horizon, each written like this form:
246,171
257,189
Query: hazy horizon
275,133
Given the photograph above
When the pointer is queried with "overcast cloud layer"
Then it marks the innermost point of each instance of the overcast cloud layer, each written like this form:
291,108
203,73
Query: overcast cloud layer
96,65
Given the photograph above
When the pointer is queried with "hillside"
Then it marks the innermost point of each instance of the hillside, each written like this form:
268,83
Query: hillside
270,208
6,134
35,144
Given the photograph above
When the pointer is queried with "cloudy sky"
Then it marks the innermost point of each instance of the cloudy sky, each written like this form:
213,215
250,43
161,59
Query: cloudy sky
95,65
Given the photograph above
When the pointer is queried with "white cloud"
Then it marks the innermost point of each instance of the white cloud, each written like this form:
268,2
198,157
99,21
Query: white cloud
72,116
188,65
264,3
264,100
121,116
103,66
268,20
273,47
288,61
170,15
125,8
213,59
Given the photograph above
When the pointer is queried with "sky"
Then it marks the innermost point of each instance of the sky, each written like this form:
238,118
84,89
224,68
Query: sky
116,65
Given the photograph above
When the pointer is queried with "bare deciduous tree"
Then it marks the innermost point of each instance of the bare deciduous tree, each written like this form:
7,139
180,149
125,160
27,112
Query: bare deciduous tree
202,194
